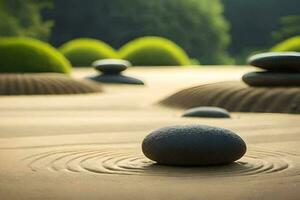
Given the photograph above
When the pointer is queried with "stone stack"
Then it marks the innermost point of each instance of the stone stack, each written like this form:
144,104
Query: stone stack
281,69
111,70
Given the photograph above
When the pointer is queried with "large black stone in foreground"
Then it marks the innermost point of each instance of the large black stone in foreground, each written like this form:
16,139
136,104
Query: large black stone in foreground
276,61
272,79
206,111
193,145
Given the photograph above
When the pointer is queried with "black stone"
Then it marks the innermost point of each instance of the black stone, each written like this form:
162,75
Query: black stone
209,112
193,145
276,61
116,79
111,66
111,72
272,79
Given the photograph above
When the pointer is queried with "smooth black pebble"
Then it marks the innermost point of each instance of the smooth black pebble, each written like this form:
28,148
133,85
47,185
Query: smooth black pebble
193,145
111,66
207,112
272,79
117,79
276,61
111,72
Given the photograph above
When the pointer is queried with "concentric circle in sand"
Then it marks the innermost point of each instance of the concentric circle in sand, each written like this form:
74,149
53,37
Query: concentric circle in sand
128,162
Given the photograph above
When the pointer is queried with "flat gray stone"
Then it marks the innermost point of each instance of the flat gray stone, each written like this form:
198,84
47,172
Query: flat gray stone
193,145
116,79
111,66
276,61
272,79
208,112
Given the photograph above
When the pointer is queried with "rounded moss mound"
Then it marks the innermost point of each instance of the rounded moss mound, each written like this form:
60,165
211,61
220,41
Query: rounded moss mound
84,51
292,44
22,55
154,51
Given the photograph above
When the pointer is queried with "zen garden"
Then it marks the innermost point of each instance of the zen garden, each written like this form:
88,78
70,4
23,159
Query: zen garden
150,100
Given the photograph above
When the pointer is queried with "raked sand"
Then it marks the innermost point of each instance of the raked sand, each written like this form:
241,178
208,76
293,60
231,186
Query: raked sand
89,146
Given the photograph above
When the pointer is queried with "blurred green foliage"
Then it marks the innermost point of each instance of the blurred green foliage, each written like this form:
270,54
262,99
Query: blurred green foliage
253,22
154,51
198,26
84,51
291,44
20,55
23,18
290,26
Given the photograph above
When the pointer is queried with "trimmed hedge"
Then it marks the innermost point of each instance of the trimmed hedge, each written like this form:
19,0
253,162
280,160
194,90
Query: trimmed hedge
22,55
154,51
84,51
292,44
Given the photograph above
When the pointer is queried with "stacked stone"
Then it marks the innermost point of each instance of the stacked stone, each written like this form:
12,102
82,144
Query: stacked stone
111,70
281,69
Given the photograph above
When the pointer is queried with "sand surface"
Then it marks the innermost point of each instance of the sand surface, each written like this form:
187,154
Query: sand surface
88,146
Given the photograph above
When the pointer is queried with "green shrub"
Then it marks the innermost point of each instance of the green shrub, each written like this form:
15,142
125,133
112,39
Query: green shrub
18,55
194,61
154,51
84,51
292,44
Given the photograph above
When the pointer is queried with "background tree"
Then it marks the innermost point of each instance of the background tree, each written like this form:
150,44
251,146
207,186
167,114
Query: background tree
290,26
23,18
253,21
196,25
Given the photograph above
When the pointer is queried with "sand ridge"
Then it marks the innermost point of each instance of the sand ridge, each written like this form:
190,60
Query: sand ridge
44,84
237,97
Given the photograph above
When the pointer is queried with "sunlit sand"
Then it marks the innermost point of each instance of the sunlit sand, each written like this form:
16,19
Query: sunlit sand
89,146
